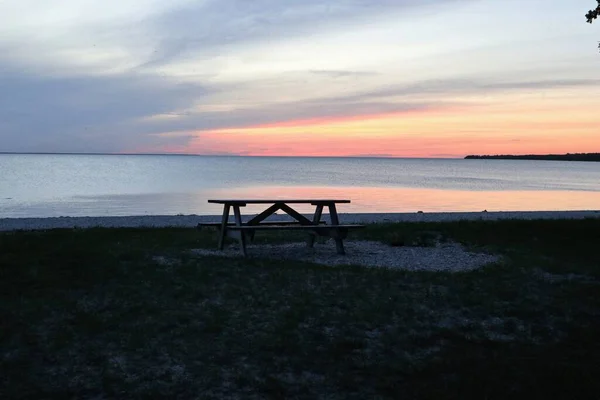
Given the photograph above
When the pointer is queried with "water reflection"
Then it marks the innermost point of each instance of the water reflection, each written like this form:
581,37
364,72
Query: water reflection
382,199
364,200
79,185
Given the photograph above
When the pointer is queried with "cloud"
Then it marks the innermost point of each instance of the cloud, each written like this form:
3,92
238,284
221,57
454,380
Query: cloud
466,86
110,83
343,74
542,84
443,95
206,26
126,110
84,113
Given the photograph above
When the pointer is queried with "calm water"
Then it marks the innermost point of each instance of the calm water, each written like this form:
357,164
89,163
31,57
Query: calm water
99,185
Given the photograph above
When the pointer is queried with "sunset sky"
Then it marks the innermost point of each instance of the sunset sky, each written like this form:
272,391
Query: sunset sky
405,78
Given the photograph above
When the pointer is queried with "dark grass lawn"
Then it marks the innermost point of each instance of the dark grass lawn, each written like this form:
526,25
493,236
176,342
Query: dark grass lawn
130,313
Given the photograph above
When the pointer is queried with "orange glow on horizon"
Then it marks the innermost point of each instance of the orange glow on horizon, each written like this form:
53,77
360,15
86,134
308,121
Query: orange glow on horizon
310,122
511,125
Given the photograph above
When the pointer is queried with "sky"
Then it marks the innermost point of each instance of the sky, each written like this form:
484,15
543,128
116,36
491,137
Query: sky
391,78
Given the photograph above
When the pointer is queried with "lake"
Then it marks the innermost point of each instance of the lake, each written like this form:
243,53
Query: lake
44,185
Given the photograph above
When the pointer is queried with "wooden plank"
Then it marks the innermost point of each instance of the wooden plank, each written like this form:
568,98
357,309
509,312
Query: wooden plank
230,202
337,233
291,227
224,220
339,243
238,223
229,224
265,214
316,218
333,214
242,203
295,214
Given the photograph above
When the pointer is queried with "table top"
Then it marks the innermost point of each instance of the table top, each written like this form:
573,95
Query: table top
273,201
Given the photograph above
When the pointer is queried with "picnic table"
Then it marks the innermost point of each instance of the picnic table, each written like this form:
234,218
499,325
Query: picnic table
242,231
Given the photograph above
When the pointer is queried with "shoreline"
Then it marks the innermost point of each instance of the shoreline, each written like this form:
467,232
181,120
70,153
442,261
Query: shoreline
190,221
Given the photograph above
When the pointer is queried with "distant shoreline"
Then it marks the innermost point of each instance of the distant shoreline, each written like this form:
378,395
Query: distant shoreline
548,157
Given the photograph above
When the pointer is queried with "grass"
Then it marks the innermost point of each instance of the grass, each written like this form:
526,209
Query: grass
122,313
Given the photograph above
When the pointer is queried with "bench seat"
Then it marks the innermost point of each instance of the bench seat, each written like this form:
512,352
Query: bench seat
264,227
332,231
269,223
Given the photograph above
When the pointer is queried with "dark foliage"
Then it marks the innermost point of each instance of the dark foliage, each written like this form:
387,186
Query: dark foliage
552,157
593,14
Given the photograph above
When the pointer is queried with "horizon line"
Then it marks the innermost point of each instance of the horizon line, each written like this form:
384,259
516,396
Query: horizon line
212,155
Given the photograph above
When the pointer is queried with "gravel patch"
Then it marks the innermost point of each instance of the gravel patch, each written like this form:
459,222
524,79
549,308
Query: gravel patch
8,224
448,257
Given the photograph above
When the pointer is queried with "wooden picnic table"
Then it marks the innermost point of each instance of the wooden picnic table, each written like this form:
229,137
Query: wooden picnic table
243,230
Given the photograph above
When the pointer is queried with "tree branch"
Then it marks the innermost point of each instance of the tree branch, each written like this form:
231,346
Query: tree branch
593,14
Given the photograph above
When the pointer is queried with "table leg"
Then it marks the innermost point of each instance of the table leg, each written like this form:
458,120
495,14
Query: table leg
238,222
339,243
316,220
224,221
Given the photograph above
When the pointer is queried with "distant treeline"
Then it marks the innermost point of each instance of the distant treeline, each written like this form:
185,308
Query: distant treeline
553,157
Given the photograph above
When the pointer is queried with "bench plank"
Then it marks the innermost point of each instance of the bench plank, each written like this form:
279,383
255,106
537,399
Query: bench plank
230,224
290,201
337,232
262,227
316,218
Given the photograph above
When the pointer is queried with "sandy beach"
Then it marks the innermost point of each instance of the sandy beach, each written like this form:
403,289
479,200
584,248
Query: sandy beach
8,224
